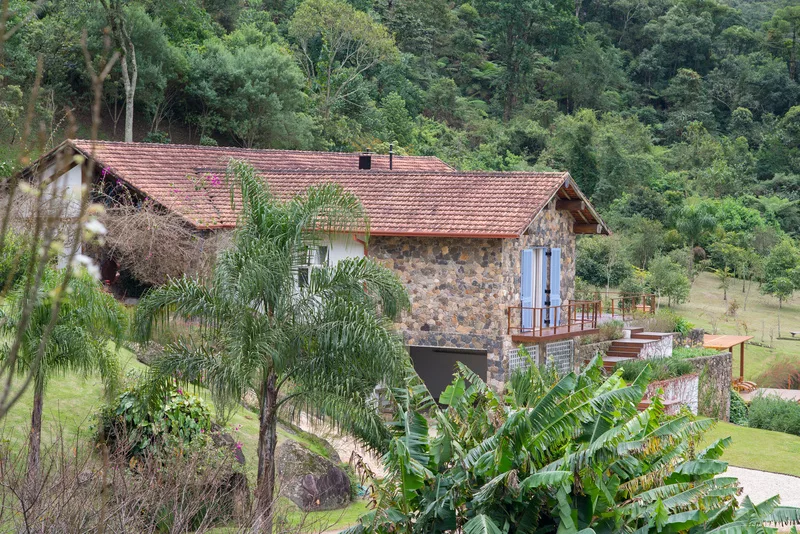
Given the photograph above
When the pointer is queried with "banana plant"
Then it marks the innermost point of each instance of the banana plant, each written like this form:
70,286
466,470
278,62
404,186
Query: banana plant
569,455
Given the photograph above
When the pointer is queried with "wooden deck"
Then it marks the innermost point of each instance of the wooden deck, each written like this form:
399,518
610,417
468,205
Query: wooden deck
533,324
553,333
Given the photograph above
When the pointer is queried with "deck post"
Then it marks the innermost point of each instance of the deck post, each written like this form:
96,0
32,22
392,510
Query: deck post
569,316
741,362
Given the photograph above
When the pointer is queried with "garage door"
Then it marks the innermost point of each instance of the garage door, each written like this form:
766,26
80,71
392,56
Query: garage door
436,365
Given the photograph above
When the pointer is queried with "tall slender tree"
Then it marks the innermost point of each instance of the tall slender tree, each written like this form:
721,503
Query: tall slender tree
322,335
130,69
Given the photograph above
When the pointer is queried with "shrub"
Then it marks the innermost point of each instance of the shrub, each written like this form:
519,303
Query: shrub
782,374
157,137
177,493
140,425
693,352
608,331
14,259
660,368
738,409
571,456
666,320
773,413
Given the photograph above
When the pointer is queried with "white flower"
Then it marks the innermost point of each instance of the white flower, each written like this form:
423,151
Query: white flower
95,227
82,260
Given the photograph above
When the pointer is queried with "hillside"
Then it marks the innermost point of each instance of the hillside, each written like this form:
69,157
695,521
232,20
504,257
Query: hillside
707,309
680,119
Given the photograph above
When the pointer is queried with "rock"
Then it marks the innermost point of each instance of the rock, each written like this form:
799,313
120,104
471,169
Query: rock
250,400
224,440
148,352
84,477
309,480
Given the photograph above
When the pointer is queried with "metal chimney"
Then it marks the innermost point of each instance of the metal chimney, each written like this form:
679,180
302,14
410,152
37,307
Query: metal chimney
391,153
365,161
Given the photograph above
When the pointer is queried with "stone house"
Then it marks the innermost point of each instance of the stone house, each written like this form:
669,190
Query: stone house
488,258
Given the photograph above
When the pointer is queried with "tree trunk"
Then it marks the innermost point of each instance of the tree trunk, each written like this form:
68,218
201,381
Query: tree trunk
34,445
267,440
116,19
129,80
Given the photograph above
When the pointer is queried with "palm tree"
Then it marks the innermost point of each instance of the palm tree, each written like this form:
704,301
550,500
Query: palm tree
88,321
323,337
694,222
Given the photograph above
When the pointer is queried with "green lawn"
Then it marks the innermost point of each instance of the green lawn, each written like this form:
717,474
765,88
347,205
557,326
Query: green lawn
71,401
706,309
753,448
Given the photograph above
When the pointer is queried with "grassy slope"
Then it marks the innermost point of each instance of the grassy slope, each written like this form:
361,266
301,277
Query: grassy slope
71,401
706,306
759,449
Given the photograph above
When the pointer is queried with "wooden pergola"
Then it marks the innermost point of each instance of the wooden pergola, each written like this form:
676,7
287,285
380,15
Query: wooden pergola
724,342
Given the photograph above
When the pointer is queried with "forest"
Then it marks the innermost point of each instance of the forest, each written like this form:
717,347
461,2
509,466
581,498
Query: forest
679,118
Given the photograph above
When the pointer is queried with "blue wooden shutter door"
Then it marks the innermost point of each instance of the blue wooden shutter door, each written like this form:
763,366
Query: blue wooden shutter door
555,282
526,289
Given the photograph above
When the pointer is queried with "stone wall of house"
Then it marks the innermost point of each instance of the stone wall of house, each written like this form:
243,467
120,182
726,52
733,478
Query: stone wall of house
551,228
456,289
714,397
460,289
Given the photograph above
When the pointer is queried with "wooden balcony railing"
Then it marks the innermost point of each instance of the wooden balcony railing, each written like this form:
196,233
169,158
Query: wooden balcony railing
626,306
577,317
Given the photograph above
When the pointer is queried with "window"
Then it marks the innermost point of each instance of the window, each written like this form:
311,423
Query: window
317,256
302,276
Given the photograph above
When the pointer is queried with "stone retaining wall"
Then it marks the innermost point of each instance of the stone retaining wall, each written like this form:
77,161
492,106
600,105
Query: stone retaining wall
586,352
714,397
683,389
658,348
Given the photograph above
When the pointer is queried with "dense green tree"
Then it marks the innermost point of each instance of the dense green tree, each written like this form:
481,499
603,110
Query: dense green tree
324,338
668,279
337,44
783,35
645,240
523,34
252,93
689,103
602,262
694,223
398,120
589,75
782,272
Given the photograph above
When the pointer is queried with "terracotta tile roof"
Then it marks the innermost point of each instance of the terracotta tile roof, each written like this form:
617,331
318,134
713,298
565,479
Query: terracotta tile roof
431,199
142,159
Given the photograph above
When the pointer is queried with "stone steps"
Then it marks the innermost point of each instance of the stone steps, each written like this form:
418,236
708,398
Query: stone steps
649,335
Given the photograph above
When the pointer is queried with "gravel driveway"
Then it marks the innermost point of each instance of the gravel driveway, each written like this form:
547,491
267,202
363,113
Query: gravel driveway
760,485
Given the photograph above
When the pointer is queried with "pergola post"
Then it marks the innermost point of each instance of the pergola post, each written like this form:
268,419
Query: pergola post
741,362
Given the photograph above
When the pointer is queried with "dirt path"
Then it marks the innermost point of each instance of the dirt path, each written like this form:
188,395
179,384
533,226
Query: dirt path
786,394
344,445
760,485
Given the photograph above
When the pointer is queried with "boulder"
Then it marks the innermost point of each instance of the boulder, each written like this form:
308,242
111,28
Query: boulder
309,480
223,440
